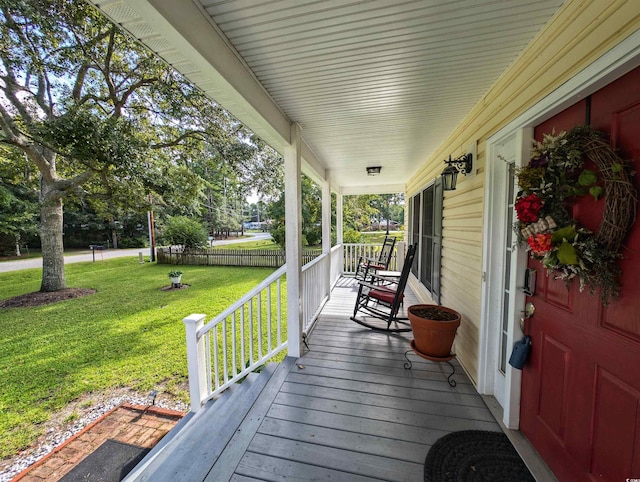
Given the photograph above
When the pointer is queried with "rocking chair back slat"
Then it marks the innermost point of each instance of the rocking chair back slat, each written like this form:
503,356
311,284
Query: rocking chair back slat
367,266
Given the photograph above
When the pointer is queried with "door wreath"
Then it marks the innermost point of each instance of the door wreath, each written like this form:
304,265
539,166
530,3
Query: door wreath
556,174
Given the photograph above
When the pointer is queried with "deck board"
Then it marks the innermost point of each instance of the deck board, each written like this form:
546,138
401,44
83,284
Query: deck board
329,457
273,469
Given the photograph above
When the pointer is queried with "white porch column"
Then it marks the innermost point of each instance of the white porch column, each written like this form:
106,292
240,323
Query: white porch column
339,228
293,238
339,219
326,233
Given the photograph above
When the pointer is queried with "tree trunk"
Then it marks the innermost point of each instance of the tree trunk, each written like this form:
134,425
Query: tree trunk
50,230
114,238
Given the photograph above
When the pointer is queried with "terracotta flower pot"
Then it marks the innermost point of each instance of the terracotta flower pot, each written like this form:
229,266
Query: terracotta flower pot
434,328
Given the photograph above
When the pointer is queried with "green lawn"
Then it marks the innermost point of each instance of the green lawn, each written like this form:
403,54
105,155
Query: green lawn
128,334
252,245
377,237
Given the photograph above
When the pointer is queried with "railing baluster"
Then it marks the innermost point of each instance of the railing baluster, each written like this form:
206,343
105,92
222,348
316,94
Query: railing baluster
269,317
279,313
233,344
251,331
259,301
215,357
207,356
242,346
225,365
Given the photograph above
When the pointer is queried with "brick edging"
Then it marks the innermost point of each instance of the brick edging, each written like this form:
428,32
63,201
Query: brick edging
166,412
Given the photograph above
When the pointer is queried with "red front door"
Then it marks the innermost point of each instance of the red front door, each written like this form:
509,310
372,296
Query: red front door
580,403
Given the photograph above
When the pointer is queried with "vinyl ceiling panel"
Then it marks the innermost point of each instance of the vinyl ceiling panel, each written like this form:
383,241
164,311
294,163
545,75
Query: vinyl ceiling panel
377,82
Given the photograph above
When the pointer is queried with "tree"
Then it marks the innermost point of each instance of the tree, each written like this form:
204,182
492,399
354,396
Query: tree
311,215
99,116
358,212
363,210
18,199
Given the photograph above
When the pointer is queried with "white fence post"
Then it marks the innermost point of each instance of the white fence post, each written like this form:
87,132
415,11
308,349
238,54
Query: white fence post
196,362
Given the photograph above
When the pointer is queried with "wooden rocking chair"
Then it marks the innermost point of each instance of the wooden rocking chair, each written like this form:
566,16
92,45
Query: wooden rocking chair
368,266
383,297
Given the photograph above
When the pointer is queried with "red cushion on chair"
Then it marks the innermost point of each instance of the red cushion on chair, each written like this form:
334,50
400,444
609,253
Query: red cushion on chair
386,296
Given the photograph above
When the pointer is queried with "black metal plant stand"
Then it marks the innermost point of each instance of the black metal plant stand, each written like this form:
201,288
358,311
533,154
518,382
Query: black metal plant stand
408,364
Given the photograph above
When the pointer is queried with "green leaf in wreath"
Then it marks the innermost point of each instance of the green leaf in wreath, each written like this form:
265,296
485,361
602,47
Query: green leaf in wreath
567,254
568,233
616,167
596,192
579,191
587,178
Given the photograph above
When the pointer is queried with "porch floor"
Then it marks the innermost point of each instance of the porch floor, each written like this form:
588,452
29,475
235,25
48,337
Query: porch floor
348,410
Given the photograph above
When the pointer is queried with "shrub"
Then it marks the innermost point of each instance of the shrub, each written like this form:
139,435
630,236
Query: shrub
186,232
352,236
277,231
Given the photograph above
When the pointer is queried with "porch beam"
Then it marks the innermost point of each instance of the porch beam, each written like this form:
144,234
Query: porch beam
293,238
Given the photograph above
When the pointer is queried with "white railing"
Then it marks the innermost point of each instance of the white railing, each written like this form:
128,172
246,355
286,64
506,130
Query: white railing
353,252
253,329
337,263
315,290
237,341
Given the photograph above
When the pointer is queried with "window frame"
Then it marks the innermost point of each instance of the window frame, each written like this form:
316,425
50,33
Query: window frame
428,233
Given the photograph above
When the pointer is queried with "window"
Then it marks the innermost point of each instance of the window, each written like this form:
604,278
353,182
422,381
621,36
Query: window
426,229
414,216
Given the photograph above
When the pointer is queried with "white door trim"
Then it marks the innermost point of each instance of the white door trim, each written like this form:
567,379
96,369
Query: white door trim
621,59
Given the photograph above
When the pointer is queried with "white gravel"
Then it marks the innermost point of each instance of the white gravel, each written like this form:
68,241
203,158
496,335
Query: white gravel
58,435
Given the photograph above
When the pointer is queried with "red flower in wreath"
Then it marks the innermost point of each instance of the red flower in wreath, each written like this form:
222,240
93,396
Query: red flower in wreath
540,243
528,208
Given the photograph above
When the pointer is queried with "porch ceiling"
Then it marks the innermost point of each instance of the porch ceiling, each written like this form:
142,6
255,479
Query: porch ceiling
371,82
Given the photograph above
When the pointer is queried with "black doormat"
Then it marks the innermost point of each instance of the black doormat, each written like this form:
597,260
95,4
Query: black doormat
111,462
475,456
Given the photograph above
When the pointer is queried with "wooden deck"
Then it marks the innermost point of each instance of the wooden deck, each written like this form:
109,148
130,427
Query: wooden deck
346,410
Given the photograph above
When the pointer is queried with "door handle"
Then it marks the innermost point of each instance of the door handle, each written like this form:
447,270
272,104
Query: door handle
529,310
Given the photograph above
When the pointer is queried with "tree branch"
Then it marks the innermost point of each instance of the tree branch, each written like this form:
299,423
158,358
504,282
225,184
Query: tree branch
79,83
178,140
132,88
10,89
76,181
106,70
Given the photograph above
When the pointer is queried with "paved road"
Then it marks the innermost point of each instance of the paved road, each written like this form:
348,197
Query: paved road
108,253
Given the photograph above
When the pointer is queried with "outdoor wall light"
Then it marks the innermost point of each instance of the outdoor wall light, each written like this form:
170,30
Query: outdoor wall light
462,164
373,171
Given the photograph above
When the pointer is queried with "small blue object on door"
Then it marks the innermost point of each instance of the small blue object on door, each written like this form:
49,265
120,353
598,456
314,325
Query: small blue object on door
520,353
